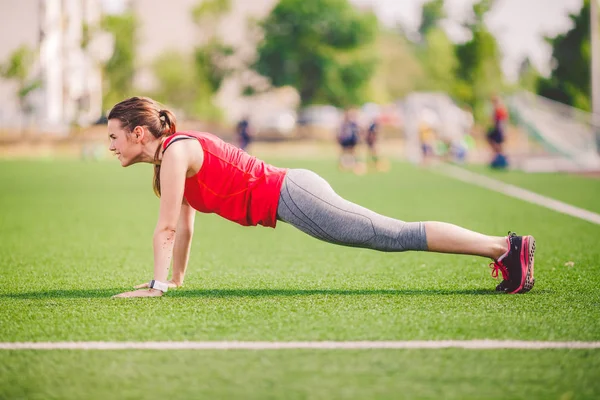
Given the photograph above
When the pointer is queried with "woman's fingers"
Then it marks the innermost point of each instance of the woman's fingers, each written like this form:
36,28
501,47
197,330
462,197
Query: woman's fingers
140,293
121,295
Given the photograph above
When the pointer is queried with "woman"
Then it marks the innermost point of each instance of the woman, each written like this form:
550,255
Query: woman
198,171
347,138
243,132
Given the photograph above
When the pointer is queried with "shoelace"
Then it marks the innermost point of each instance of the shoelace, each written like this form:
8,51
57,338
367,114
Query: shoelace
497,265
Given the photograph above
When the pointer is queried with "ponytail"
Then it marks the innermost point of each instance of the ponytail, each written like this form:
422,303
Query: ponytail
167,120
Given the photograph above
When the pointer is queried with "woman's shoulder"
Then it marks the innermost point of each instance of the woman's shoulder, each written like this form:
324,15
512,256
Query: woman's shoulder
197,135
185,137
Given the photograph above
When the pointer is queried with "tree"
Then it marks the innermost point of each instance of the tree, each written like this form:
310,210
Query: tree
18,68
434,50
213,59
529,76
439,61
320,47
177,82
119,70
387,84
570,80
431,15
479,73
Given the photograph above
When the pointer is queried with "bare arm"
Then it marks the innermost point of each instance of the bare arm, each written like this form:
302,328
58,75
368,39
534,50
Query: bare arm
174,214
183,241
172,182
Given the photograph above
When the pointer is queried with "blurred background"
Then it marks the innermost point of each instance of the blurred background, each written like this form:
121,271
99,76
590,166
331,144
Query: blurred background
433,78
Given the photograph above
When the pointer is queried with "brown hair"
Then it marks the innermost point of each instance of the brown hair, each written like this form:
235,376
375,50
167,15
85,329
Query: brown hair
143,111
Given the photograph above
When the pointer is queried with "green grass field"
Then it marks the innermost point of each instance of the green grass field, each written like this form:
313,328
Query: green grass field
73,234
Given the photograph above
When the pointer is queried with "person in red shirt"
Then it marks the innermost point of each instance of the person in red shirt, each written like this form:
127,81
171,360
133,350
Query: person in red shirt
496,135
197,171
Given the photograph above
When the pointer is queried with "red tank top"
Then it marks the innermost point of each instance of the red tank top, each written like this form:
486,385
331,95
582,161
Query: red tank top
500,114
233,184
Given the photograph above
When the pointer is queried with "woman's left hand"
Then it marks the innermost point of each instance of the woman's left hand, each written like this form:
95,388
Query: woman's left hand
140,293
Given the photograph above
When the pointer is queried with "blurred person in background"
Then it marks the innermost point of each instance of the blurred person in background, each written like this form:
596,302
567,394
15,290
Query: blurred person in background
244,133
496,134
197,171
428,121
348,137
371,137
460,147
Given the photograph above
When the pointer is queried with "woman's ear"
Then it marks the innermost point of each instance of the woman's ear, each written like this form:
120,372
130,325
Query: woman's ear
138,133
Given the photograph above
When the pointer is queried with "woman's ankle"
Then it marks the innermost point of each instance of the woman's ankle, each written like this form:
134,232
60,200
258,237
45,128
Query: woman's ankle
499,248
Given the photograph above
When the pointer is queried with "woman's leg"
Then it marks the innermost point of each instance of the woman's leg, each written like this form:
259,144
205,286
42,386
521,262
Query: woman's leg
309,203
448,238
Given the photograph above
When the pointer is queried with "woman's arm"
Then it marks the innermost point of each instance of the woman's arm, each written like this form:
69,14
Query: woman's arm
183,241
181,249
173,173
174,168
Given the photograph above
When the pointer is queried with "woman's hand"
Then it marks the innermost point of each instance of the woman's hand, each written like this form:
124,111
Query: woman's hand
172,285
140,293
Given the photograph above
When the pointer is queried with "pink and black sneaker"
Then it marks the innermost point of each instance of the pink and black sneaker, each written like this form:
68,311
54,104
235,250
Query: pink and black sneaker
516,265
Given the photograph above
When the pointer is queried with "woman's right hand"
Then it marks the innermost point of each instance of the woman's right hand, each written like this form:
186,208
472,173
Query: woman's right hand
172,285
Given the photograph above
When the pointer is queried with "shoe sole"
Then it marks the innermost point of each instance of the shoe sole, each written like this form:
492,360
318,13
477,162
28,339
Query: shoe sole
528,281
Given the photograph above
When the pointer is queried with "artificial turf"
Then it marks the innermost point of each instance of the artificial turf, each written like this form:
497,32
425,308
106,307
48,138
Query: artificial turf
75,233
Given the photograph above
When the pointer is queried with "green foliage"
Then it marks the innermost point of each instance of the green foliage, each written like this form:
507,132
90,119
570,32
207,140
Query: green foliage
249,91
28,87
570,81
86,35
209,11
211,59
18,64
528,76
480,9
439,61
119,70
18,68
320,47
176,80
180,84
387,84
431,14
469,72
211,63
479,63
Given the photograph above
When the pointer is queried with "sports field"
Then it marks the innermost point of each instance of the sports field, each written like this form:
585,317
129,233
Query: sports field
74,233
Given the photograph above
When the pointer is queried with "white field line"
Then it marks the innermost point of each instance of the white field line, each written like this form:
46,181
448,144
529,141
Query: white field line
425,344
519,193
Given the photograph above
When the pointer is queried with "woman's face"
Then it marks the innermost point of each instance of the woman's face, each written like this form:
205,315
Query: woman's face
120,144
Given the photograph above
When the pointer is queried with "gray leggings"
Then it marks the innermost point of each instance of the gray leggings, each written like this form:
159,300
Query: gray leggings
309,203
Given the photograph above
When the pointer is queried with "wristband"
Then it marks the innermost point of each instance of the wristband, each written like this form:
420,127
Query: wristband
158,285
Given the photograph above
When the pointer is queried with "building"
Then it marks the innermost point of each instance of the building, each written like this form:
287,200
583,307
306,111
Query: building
70,74
70,91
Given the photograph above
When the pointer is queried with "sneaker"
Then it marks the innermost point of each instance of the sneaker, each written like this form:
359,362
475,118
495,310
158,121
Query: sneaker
516,265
